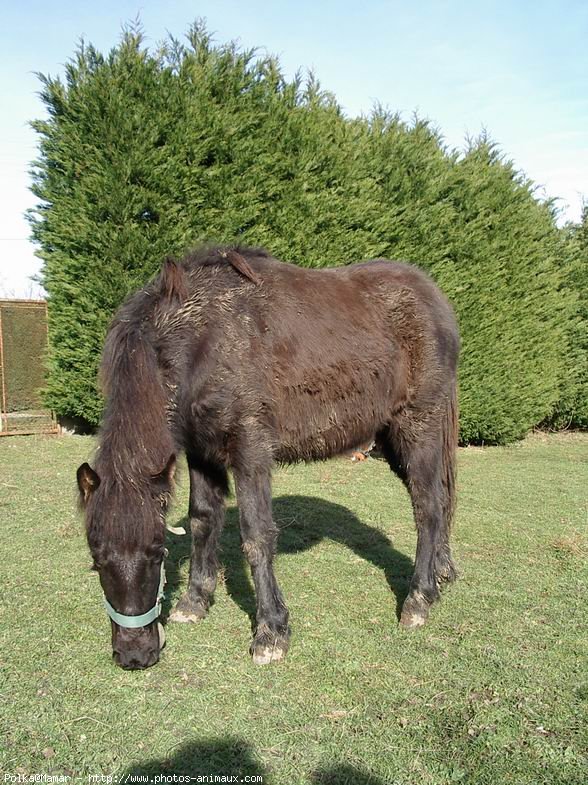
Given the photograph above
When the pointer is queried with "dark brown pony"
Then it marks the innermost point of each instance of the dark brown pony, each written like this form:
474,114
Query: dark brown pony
243,361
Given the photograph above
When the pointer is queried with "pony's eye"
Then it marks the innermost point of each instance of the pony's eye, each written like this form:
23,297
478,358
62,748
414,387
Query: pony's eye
155,552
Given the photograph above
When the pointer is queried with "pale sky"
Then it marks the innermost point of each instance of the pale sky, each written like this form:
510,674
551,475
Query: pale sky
517,69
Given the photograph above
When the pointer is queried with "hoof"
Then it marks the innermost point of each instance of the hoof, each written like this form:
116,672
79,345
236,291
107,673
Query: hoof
263,655
415,612
410,621
185,617
161,635
268,646
188,612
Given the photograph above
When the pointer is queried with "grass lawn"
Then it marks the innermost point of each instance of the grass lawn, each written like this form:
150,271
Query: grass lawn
493,690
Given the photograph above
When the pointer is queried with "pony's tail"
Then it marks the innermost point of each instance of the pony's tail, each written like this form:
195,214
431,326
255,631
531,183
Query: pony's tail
450,437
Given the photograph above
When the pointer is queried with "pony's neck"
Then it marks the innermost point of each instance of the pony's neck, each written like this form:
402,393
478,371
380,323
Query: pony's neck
136,438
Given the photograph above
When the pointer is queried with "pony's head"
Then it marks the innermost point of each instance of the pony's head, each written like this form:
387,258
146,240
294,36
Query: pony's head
126,495
125,527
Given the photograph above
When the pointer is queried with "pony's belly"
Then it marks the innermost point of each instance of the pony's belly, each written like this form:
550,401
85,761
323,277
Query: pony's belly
319,435
319,411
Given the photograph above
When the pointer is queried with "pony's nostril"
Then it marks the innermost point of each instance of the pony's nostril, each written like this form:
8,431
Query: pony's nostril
133,661
134,664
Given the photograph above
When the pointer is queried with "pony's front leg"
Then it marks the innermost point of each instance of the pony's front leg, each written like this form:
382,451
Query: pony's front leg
259,538
208,487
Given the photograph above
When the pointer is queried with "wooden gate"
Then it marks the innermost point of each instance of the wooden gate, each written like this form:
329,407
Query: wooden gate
23,350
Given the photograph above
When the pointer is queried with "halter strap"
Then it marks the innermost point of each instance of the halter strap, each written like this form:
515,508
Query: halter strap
132,622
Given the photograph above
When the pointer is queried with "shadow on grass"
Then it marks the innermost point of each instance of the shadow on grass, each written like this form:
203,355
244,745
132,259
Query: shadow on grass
303,522
223,757
234,757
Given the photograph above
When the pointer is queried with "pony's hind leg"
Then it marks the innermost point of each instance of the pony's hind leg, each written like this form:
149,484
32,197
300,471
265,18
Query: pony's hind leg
420,458
259,539
208,487
425,491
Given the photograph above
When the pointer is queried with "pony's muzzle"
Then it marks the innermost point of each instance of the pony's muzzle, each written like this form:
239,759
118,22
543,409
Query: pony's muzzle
135,659
139,648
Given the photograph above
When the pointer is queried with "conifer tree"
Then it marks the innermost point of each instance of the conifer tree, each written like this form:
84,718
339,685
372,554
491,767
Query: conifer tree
144,154
507,290
571,410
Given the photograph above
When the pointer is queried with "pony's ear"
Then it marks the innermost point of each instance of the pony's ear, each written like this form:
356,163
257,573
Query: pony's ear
242,265
167,474
172,282
88,481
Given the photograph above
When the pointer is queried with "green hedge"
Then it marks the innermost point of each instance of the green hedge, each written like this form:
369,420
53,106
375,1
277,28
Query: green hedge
147,153
572,407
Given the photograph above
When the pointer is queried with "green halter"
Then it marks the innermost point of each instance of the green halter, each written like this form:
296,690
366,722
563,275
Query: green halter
132,622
